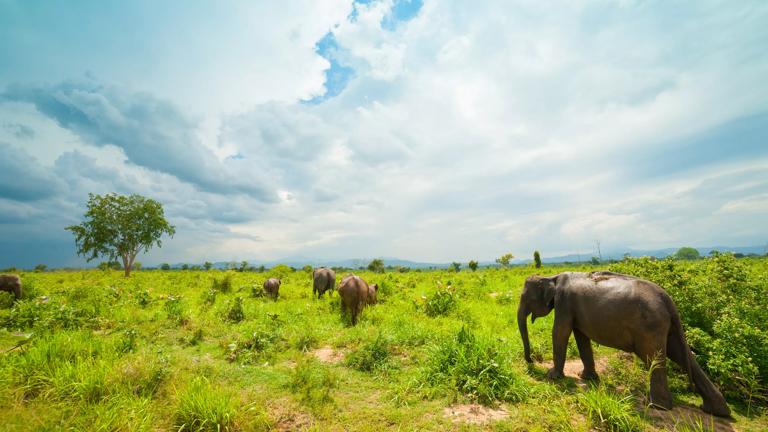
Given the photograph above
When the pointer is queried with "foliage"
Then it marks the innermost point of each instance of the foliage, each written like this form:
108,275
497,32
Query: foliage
223,285
442,302
687,253
455,266
41,268
608,411
376,265
472,265
474,367
537,259
207,265
235,312
505,259
372,356
313,383
723,304
202,407
165,266
120,226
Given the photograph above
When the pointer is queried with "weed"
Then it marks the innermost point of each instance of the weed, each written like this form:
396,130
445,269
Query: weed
608,411
442,302
235,312
373,356
203,407
223,285
312,382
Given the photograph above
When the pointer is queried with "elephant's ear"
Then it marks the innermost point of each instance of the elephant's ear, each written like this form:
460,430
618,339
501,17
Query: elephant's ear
549,291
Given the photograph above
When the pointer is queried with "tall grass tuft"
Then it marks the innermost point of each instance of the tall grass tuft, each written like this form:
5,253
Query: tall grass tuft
609,411
373,356
202,407
474,367
312,382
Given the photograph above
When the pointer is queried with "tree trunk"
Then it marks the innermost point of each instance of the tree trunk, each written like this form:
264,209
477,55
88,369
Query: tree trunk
126,265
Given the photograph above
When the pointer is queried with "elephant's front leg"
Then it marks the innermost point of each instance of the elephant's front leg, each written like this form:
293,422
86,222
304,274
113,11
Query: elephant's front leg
587,357
561,332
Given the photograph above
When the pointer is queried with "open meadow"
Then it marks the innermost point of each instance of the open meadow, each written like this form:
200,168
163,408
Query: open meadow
205,350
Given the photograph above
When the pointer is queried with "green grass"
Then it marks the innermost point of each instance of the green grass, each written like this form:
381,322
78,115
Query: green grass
196,350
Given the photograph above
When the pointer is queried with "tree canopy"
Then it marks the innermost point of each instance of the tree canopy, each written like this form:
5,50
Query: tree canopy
120,226
687,253
505,259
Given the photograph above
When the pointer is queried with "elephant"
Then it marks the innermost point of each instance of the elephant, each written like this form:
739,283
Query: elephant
11,284
355,294
618,311
323,279
271,287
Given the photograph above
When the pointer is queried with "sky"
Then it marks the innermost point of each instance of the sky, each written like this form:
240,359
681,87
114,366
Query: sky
420,129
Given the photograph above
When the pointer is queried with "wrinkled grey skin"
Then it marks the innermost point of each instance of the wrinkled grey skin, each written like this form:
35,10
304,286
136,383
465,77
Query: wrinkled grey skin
355,294
618,311
271,287
11,284
323,279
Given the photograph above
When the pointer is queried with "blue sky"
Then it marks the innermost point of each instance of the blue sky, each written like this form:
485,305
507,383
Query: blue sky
425,130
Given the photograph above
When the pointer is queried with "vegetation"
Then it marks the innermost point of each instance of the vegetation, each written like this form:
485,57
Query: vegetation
687,253
472,265
505,259
193,350
120,226
537,259
376,265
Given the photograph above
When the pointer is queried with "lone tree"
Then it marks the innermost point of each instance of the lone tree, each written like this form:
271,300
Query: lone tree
537,259
456,266
472,265
687,253
376,265
505,259
120,226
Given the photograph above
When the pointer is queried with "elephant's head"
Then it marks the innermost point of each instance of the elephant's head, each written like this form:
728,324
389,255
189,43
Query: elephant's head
372,289
537,300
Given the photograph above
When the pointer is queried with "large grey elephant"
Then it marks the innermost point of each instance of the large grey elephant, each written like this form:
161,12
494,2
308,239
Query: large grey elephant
355,294
323,279
11,284
272,287
618,311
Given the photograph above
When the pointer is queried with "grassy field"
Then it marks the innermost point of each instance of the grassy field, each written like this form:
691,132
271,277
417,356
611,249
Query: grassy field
197,350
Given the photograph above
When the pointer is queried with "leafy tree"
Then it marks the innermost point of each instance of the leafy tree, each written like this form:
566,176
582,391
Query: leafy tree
537,259
472,265
207,265
41,268
185,266
261,269
307,268
595,260
505,259
243,266
120,226
455,266
687,253
165,266
376,266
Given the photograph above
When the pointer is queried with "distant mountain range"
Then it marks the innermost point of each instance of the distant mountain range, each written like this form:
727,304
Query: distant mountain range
298,262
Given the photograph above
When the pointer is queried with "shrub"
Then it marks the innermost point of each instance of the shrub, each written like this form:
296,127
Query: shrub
474,367
442,302
202,407
312,382
537,259
6,300
235,313
209,296
372,356
223,285
609,412
174,308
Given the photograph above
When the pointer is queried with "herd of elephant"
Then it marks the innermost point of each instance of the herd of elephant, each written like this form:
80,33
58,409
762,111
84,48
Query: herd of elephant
612,309
354,291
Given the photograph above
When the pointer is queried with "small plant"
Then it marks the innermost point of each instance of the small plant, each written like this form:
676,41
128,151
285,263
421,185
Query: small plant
209,296
506,298
372,356
312,382
174,307
608,411
202,407
143,298
128,341
474,367
235,313
6,300
223,285
442,302
305,341
195,338
257,291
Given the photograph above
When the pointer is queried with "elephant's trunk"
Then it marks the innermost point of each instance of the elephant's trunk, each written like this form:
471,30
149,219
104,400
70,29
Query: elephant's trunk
522,314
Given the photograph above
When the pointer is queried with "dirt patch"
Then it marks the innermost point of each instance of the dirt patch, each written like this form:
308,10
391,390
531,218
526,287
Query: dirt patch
494,294
327,354
689,415
286,416
573,368
474,413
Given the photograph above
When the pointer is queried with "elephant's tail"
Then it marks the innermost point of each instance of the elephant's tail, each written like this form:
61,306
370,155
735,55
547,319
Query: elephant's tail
676,331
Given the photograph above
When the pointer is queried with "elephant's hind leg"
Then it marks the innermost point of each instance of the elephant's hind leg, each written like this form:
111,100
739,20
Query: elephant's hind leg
713,400
587,357
654,355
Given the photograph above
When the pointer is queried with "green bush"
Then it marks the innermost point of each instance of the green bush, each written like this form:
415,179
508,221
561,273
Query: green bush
610,412
174,308
235,312
723,304
372,356
223,285
202,407
475,367
313,383
442,302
